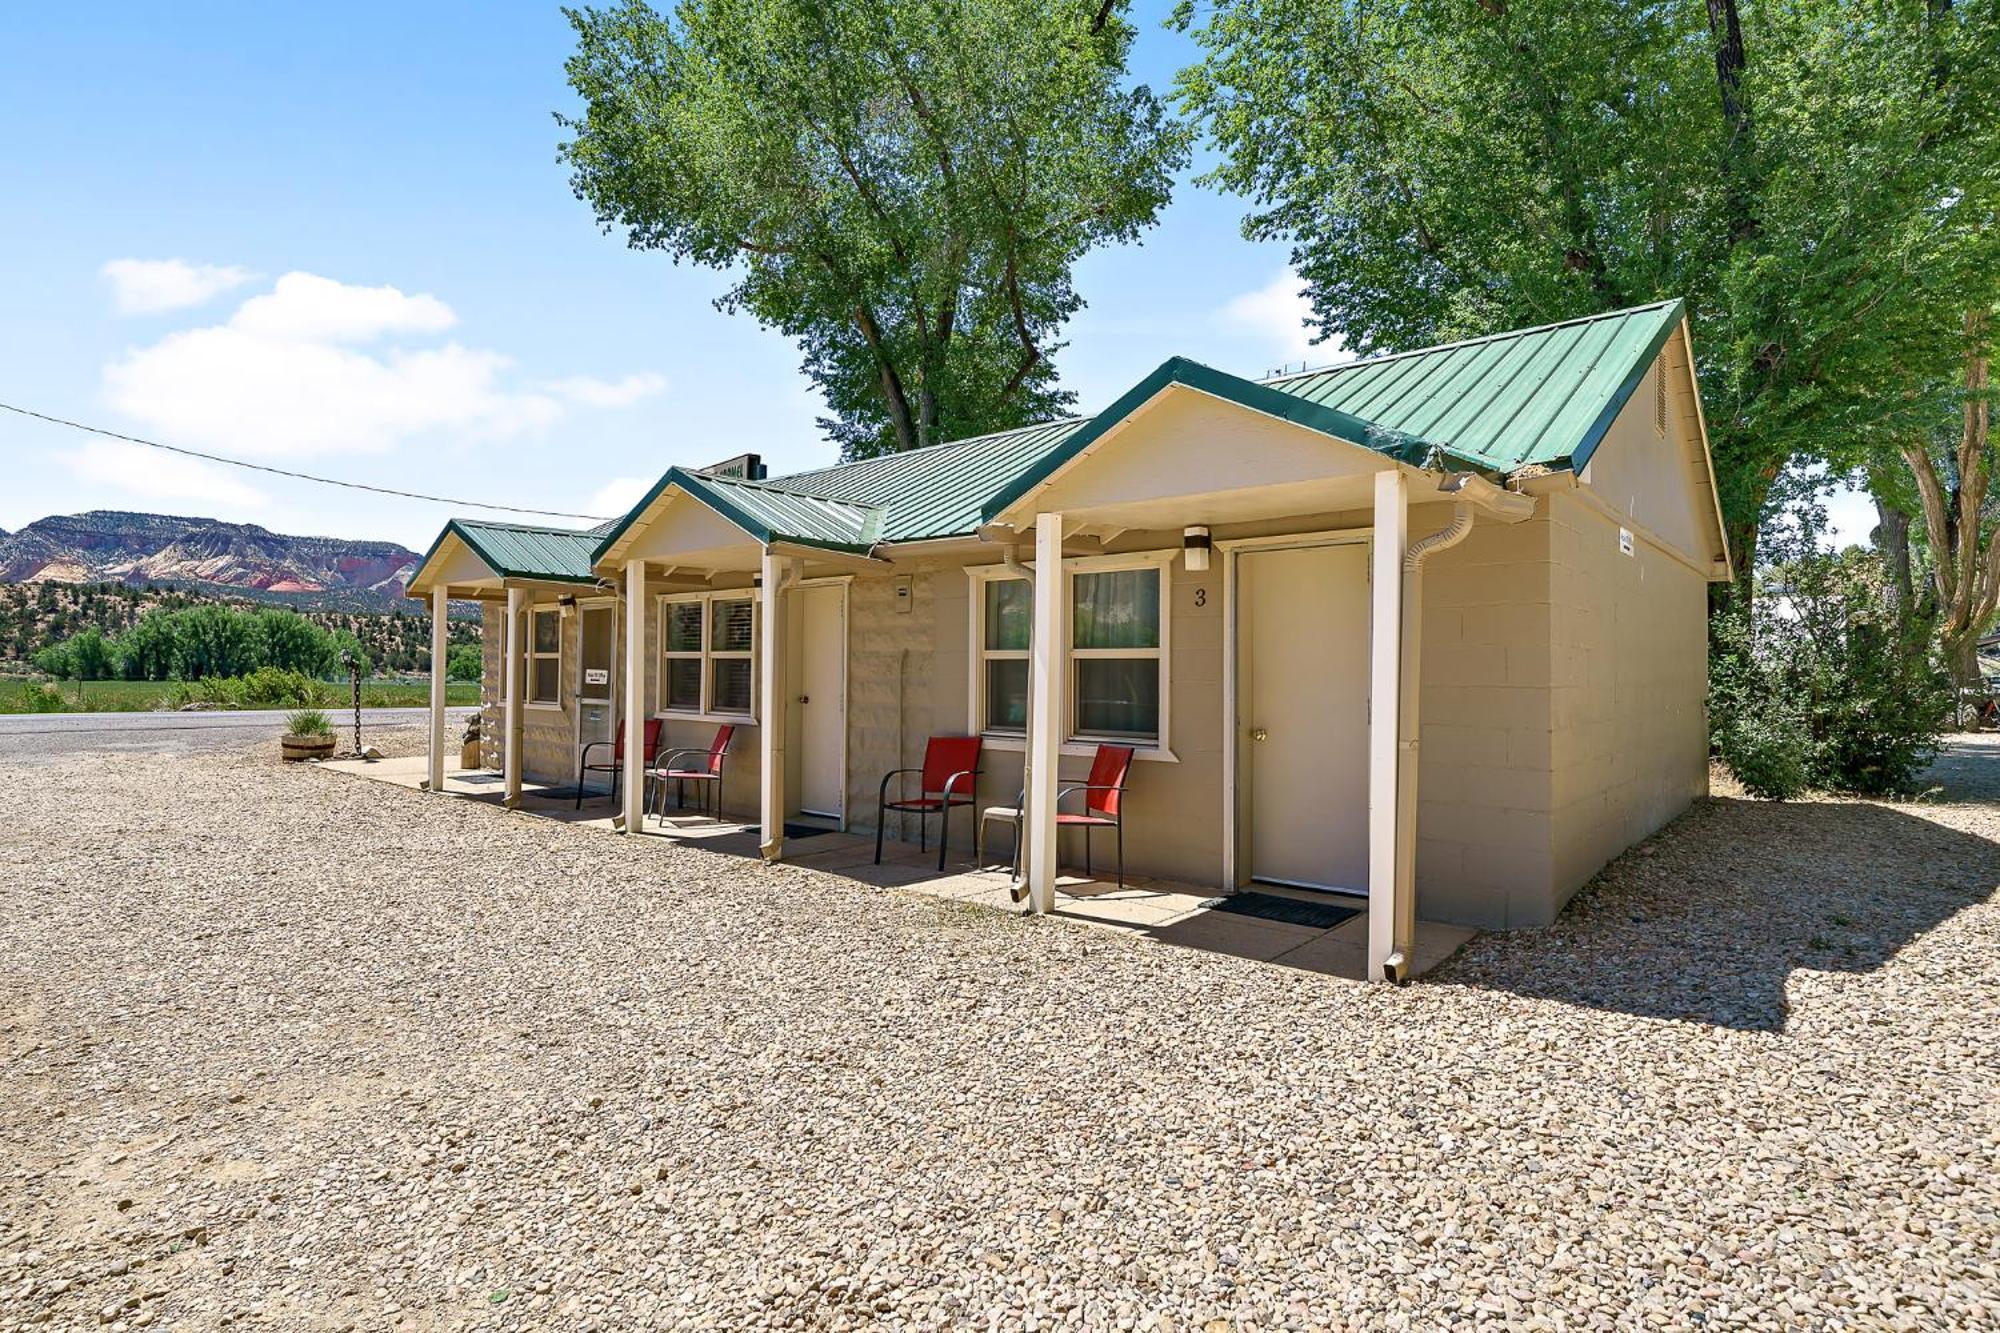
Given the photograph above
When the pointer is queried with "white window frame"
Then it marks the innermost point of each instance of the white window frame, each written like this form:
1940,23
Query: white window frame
708,655
1075,743
529,657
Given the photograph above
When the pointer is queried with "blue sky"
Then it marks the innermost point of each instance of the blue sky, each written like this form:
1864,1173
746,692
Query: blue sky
336,238
522,357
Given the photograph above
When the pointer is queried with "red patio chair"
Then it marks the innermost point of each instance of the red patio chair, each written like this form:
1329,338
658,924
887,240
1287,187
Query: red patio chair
1103,805
706,769
951,763
616,768
1103,801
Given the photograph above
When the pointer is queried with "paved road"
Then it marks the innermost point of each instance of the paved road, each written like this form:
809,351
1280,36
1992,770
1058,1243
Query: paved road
32,737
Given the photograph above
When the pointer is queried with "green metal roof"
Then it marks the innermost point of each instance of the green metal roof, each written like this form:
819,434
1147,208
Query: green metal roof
517,551
1532,396
1540,396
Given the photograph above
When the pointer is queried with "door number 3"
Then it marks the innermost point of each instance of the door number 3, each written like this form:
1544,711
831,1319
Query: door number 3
1201,597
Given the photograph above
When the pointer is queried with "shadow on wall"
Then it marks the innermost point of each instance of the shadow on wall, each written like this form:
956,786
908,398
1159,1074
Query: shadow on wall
1705,921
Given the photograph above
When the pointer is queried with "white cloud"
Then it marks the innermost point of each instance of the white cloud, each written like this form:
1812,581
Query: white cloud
304,307
279,380
616,496
148,286
1276,314
589,391
158,476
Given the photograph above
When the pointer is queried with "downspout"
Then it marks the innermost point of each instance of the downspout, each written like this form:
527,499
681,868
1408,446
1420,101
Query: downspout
1396,967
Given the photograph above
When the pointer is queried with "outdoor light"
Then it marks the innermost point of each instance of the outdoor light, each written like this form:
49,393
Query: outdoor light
1194,549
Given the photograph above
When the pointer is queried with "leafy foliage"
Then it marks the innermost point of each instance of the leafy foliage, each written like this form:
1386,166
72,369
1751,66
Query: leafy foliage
901,185
1800,173
464,663
1819,682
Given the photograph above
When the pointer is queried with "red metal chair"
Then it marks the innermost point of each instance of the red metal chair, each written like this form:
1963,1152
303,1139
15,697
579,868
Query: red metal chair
1103,801
616,768
707,770
951,764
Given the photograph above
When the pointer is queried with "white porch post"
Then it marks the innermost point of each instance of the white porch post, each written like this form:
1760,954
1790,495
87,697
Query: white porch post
633,791
776,571
1392,531
440,650
1047,709
510,671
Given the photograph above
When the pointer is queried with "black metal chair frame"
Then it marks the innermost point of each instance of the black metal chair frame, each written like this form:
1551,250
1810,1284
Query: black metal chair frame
616,768
659,774
906,806
1117,822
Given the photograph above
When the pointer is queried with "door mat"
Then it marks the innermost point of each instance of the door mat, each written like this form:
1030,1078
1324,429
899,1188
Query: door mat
797,831
1276,907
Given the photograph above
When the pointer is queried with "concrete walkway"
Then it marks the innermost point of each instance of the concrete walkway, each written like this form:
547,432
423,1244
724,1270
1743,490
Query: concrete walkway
1167,911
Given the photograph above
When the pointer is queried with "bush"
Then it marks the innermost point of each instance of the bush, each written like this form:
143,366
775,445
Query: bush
1821,685
44,697
308,722
464,663
275,687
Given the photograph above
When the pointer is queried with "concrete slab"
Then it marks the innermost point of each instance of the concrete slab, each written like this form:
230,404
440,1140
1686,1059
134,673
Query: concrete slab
1165,911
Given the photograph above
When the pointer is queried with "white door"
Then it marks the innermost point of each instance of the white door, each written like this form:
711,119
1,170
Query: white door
1302,637
597,684
822,700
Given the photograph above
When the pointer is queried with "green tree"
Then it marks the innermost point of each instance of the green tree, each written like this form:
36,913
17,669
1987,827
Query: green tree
464,662
901,185
293,643
1446,169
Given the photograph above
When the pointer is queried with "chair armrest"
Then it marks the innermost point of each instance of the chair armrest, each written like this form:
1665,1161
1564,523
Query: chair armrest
1086,786
952,782
883,793
592,746
663,761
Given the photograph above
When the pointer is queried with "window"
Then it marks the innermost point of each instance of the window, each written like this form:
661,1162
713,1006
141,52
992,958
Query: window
708,656
1007,606
1117,650
545,655
1115,655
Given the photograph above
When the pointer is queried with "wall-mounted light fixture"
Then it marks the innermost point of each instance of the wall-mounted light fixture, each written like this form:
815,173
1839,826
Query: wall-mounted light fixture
1194,549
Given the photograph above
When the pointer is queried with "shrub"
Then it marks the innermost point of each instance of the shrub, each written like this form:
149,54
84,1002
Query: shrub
44,697
1822,684
308,722
276,687
464,663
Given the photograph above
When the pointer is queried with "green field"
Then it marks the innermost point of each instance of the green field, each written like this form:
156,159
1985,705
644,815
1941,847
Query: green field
139,696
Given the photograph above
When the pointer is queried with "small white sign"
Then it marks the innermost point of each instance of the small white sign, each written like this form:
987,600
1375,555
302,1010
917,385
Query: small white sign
597,675
1625,541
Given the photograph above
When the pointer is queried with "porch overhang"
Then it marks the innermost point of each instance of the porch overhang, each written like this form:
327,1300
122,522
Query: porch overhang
473,559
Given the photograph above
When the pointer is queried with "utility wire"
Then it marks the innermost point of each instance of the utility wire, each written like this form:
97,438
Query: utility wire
297,476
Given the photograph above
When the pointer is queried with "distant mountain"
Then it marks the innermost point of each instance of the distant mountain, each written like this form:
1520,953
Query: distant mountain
111,546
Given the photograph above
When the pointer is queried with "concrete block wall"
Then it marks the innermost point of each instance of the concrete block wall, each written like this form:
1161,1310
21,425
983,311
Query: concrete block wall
1628,690
1484,803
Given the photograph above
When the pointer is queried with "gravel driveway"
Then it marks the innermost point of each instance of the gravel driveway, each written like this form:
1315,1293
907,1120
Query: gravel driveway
281,1049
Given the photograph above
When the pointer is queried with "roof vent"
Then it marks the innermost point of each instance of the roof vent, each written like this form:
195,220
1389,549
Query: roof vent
743,467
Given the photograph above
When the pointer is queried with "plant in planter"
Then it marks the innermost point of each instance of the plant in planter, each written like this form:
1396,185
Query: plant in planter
308,735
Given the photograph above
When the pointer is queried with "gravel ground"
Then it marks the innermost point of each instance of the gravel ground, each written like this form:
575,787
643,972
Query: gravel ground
281,1049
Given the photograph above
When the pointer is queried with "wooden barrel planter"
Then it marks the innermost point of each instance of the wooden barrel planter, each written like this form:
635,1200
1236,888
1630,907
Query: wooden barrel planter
297,748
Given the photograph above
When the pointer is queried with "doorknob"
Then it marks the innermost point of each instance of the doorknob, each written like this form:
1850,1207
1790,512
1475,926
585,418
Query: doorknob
805,698
1259,734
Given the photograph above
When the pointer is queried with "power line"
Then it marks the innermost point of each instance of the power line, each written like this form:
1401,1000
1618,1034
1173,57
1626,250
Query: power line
296,476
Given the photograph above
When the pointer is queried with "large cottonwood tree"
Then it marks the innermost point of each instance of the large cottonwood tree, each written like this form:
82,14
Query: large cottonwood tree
903,186
1794,170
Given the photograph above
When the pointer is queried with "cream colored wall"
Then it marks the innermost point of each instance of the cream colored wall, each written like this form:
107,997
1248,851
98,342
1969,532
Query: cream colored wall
1660,481
1628,695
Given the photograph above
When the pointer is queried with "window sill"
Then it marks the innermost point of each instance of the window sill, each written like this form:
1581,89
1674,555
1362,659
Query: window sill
534,707
721,719
1080,749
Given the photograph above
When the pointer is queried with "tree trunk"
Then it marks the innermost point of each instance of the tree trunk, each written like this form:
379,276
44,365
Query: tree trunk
1892,539
1730,58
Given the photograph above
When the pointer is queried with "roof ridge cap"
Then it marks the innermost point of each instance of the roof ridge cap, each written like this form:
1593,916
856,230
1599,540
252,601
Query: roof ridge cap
940,444
771,484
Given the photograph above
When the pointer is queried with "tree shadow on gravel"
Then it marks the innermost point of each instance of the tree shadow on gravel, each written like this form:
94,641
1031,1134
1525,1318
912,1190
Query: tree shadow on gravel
1707,919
